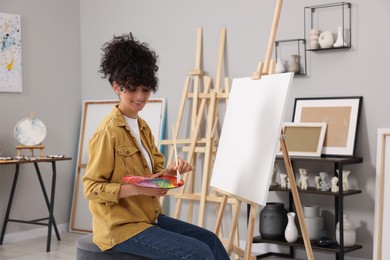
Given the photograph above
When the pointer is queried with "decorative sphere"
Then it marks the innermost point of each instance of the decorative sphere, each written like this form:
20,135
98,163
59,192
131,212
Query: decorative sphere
326,39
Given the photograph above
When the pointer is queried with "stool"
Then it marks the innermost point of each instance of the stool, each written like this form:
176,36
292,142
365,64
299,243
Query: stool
87,250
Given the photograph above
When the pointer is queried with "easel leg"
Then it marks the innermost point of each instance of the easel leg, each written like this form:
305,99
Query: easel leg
297,201
207,159
251,228
222,207
233,228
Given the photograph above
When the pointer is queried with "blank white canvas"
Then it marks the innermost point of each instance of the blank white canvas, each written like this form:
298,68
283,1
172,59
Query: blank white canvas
250,136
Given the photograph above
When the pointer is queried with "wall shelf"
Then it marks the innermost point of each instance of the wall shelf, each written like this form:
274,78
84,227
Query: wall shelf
328,17
285,48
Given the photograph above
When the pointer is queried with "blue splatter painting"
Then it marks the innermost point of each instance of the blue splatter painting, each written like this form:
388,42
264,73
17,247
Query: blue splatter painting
10,53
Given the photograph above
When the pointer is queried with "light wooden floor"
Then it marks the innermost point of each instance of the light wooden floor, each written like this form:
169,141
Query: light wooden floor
35,249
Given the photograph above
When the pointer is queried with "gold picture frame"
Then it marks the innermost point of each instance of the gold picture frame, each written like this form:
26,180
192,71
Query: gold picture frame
304,139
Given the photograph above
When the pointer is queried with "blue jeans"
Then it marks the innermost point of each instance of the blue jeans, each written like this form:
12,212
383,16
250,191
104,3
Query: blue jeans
174,239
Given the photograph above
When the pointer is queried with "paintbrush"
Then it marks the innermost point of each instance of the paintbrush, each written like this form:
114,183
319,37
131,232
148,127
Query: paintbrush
178,175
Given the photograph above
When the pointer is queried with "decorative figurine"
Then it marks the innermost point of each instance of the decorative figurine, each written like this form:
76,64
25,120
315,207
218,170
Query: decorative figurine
324,182
276,168
288,183
314,35
317,182
302,182
335,187
283,180
345,179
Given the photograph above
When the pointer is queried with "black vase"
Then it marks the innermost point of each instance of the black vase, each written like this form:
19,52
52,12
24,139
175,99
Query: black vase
273,221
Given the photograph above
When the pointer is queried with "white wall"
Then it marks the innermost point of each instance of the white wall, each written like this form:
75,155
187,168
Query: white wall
51,89
51,67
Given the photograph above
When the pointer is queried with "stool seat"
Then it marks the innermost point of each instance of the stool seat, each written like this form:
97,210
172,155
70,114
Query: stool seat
87,250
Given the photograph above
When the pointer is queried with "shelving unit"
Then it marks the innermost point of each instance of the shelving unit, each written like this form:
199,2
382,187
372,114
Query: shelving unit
328,17
338,164
285,48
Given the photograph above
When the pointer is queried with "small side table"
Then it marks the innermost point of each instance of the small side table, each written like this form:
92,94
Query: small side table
49,202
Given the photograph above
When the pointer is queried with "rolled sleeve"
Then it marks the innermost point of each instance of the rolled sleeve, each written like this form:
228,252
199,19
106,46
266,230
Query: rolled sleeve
104,193
97,185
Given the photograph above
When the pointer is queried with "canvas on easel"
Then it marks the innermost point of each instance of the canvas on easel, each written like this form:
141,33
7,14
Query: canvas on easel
250,135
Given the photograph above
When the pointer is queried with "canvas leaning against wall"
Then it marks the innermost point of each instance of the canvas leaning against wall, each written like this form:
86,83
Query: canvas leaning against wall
10,53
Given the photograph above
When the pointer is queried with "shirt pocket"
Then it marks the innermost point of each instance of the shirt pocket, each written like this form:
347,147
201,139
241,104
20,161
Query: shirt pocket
128,157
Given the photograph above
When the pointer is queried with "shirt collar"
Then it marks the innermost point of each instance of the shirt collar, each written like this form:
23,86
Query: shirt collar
119,119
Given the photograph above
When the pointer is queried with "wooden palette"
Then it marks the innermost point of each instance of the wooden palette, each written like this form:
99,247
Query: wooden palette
164,182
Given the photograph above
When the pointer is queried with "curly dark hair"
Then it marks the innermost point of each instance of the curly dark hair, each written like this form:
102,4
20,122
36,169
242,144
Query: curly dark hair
129,63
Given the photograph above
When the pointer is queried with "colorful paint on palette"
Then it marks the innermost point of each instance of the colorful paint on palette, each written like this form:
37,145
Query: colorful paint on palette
164,182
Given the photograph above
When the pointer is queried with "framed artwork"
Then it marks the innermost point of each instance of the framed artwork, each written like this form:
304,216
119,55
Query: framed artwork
10,53
304,139
382,195
341,115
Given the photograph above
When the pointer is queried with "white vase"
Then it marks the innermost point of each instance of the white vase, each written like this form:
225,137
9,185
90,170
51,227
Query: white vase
349,231
340,38
314,222
294,64
280,68
291,232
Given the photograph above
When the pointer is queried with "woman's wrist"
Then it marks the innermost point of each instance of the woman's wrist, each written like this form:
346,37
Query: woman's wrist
126,190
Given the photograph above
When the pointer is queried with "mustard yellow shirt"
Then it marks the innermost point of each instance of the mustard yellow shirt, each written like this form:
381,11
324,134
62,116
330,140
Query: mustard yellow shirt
113,152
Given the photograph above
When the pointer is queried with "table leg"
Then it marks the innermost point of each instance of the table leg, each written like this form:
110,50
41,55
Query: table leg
11,197
50,204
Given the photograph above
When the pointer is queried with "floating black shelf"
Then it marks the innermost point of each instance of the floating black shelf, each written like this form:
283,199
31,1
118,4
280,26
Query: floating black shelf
285,48
328,17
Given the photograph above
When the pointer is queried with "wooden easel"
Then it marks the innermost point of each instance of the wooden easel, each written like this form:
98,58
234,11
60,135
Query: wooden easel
196,75
263,69
31,148
204,110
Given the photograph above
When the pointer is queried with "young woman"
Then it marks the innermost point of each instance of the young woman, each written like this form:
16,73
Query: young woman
126,217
